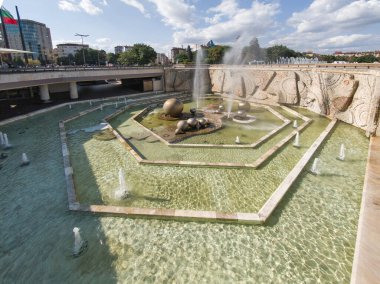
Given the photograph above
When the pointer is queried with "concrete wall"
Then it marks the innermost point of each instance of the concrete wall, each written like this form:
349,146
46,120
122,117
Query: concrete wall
352,96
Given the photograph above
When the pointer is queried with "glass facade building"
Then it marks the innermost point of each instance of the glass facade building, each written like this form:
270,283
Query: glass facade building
37,39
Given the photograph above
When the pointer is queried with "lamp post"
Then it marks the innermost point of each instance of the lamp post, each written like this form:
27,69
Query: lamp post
82,36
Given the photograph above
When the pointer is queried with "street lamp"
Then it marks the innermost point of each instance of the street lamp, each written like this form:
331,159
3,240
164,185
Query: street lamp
82,36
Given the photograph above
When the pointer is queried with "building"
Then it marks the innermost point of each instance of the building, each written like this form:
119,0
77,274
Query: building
162,59
65,49
119,49
175,51
375,53
37,39
122,48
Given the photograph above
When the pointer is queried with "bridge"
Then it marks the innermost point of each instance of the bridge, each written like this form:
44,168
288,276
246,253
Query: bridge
66,78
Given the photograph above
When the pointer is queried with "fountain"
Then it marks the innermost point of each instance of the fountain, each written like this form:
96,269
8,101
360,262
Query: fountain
116,105
314,168
101,107
24,160
199,84
122,191
297,140
79,244
6,144
90,103
342,153
1,138
295,124
237,140
70,107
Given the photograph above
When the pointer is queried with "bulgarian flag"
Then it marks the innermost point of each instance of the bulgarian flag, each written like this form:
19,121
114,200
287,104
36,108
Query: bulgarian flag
7,17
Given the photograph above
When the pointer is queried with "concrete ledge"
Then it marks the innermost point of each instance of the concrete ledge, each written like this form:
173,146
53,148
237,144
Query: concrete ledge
366,266
283,188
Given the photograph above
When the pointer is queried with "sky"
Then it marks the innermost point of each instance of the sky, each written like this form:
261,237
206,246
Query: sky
322,26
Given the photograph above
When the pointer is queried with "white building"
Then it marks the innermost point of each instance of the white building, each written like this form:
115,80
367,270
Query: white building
64,49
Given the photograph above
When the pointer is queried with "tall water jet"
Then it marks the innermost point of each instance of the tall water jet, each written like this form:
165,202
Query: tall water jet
6,143
24,160
314,168
122,191
297,140
90,103
70,107
101,107
342,153
199,84
295,124
79,244
229,107
1,139
116,105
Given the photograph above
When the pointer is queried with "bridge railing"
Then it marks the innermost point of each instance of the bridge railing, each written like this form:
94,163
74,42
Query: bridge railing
72,68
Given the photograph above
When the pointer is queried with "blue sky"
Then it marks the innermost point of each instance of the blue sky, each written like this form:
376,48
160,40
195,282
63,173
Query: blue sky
319,25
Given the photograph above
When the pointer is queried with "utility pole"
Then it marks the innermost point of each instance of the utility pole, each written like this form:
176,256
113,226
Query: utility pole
82,36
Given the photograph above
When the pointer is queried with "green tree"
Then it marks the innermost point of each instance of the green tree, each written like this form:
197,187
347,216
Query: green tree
92,57
215,54
252,52
112,58
366,59
189,53
277,51
139,54
182,58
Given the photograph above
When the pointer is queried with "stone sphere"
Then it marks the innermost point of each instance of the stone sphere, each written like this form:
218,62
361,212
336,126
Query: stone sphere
245,106
241,114
202,121
192,122
182,125
173,107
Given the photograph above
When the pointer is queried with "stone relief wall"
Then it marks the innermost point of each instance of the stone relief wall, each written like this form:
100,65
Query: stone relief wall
349,96
177,80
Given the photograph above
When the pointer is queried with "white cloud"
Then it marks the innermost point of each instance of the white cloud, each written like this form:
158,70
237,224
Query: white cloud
327,24
231,22
136,4
67,5
83,5
177,14
90,8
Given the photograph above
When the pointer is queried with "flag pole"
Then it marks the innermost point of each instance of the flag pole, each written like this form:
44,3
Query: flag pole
5,36
4,30
22,36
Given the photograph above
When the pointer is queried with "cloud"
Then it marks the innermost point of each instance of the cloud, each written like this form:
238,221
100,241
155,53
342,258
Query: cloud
67,5
90,8
136,4
177,14
230,21
83,5
333,24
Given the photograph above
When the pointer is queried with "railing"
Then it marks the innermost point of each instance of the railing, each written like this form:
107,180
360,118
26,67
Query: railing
73,68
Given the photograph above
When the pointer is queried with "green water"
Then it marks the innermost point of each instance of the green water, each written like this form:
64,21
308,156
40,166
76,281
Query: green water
309,238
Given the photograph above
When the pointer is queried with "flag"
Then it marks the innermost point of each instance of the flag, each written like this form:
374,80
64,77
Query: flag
7,17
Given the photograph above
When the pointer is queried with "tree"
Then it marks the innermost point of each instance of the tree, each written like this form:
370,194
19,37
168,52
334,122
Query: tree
366,59
252,52
215,54
182,58
189,54
92,57
139,54
277,51
112,58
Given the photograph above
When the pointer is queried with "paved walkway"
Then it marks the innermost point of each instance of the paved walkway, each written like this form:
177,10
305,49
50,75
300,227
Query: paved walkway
366,267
